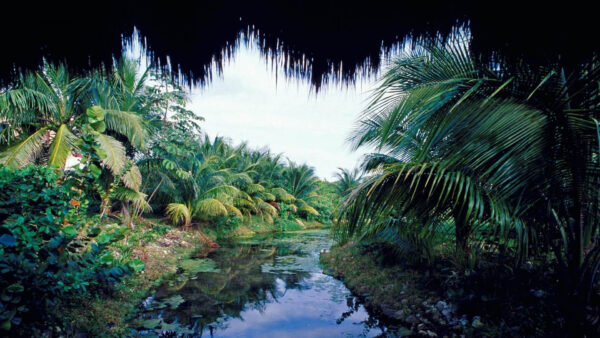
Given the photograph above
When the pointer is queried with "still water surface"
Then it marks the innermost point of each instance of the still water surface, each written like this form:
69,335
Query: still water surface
259,287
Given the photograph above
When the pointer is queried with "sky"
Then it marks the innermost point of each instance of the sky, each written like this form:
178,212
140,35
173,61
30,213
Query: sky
247,102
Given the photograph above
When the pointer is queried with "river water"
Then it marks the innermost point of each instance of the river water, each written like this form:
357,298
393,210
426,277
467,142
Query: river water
258,287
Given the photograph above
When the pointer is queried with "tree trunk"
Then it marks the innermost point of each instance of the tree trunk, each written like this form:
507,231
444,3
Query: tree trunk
104,207
126,215
462,234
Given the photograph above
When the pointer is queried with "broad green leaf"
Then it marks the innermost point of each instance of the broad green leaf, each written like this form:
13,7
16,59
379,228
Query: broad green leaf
95,114
137,265
69,231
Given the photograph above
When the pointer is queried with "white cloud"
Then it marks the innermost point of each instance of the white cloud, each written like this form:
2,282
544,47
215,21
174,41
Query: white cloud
249,103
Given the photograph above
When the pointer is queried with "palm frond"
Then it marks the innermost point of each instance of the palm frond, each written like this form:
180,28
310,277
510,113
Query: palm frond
137,198
233,210
115,158
25,151
61,147
129,124
210,207
254,188
132,178
307,209
179,213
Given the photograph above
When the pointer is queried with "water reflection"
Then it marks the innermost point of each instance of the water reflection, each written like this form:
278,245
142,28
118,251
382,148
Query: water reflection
259,287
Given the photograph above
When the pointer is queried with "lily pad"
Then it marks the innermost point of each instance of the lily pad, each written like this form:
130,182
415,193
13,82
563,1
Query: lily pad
152,323
193,266
174,301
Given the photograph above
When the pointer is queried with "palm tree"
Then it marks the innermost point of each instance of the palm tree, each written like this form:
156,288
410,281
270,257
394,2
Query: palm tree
51,115
301,183
41,113
502,144
46,112
347,180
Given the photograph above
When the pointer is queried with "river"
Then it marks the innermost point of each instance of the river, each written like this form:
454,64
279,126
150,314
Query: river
264,286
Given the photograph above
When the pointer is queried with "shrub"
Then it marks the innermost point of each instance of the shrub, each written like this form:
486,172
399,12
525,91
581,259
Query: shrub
224,225
49,250
325,207
288,224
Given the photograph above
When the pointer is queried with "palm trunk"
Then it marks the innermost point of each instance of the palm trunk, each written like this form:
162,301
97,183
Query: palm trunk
462,234
104,207
126,215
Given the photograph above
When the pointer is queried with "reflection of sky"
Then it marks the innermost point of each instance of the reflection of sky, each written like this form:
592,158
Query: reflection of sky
310,312
310,309
282,296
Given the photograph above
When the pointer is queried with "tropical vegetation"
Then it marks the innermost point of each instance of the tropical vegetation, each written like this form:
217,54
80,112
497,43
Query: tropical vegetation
482,182
84,158
499,157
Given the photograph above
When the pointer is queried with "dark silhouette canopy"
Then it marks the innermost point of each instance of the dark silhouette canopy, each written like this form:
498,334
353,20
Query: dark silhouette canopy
313,39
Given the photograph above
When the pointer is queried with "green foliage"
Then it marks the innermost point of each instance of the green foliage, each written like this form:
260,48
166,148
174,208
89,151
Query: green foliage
501,150
48,250
346,180
179,214
288,224
225,225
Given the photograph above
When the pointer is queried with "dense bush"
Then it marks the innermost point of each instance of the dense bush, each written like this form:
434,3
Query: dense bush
325,207
49,250
224,225
287,224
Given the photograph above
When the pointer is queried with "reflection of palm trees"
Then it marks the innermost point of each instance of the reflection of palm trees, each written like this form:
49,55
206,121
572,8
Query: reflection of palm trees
239,285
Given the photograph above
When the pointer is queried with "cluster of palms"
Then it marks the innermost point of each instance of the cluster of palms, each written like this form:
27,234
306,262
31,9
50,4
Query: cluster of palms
50,116
195,177
499,146
122,124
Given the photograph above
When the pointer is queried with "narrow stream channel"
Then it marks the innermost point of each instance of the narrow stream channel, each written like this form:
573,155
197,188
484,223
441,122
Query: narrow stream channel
259,287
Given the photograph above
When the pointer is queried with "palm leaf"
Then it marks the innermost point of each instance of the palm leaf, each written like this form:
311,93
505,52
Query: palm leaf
137,198
307,209
232,210
132,178
25,151
129,124
179,213
115,152
210,207
61,147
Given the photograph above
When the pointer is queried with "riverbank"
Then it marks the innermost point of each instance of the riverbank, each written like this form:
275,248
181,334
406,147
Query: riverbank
439,300
162,248
264,286
256,225
400,294
159,246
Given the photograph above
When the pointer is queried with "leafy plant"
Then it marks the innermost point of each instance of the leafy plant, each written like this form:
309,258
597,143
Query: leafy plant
48,249
503,146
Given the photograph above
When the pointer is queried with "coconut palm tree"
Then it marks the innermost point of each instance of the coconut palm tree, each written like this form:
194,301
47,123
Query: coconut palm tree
347,180
500,143
51,115
301,182
46,113
41,112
